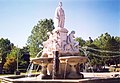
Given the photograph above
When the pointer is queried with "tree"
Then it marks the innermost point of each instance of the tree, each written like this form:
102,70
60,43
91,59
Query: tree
25,58
108,43
81,41
38,35
11,60
5,48
81,44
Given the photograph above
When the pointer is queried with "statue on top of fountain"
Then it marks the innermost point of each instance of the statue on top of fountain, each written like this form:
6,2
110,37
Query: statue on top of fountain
59,40
59,18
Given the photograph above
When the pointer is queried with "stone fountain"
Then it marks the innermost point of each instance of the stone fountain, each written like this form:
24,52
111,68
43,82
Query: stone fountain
61,57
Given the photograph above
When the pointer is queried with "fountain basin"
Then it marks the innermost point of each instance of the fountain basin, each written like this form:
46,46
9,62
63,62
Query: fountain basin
73,59
41,60
68,66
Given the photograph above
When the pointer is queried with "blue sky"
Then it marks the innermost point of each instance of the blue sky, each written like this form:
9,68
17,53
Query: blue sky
88,18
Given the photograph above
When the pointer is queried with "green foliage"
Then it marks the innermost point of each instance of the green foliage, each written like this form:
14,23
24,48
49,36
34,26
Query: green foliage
38,35
81,41
13,53
10,65
5,48
25,58
11,59
105,42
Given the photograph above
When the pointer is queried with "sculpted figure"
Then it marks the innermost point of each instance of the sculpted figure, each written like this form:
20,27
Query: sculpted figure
71,41
57,40
59,18
47,45
49,41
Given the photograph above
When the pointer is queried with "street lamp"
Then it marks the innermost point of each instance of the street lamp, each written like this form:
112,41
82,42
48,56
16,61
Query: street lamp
17,58
17,71
0,57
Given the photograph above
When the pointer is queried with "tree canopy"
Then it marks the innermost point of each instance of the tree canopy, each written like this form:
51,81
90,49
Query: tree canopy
11,60
5,48
38,35
110,49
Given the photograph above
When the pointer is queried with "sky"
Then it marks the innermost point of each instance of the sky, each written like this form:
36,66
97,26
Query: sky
88,18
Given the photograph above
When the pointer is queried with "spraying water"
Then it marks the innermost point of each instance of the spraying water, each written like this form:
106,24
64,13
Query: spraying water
30,70
84,50
31,65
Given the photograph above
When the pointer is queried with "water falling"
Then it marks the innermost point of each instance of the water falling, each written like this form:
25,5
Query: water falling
84,50
65,68
30,70
31,65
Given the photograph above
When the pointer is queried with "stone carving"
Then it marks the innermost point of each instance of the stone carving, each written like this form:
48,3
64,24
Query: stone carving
59,40
59,18
60,57
47,45
70,40
71,45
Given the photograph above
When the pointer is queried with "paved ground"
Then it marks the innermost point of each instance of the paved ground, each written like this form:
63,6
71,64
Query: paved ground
87,74
91,77
104,75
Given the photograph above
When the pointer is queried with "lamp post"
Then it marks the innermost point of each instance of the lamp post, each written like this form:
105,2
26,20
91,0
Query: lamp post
17,57
17,71
0,65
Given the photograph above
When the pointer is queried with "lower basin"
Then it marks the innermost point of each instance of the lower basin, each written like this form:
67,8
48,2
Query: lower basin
89,78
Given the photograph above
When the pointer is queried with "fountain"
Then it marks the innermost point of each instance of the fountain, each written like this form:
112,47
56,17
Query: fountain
60,58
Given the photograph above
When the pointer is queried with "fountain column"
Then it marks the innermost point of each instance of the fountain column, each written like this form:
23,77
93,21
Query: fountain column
55,65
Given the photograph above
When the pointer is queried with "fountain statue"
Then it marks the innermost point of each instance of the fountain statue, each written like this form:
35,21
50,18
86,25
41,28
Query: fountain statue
59,18
58,39
60,57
